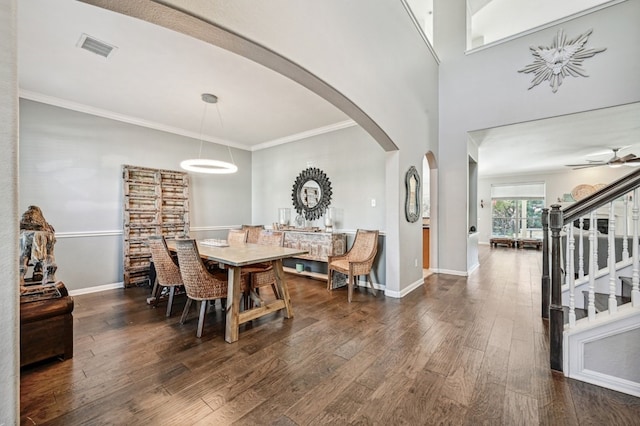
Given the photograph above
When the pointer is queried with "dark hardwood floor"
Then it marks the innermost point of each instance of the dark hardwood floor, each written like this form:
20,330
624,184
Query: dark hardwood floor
458,350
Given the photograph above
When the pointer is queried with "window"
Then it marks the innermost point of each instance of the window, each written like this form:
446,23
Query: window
516,218
516,210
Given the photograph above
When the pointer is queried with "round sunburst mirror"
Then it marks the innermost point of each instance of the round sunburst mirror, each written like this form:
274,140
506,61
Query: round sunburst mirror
311,193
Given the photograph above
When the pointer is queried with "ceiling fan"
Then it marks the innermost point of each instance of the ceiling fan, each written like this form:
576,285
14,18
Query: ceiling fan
614,161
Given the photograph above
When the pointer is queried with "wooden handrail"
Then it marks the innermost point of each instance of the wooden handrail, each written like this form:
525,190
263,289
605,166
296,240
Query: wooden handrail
600,198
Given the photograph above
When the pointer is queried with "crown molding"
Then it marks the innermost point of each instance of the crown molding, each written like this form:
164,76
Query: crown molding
306,134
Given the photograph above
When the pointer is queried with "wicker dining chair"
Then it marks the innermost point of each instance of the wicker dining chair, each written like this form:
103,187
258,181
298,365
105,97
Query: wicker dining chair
200,284
357,261
262,274
167,270
253,232
237,236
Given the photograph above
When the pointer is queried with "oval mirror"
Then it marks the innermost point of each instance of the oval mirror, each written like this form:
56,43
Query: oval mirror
412,203
311,193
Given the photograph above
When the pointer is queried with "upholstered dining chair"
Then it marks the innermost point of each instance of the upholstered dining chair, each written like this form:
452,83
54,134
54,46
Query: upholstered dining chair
167,270
357,261
200,284
262,274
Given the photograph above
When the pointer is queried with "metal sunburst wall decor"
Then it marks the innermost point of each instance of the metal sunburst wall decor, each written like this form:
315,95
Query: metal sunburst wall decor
563,58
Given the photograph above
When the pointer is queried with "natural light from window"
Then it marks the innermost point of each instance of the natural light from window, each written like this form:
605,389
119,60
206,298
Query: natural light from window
492,20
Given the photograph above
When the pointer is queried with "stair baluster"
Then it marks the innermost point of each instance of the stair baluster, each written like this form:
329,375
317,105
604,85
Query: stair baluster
593,261
625,240
581,251
571,276
635,276
613,304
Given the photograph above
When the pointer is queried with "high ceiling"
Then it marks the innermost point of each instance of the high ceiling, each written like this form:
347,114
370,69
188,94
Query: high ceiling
155,78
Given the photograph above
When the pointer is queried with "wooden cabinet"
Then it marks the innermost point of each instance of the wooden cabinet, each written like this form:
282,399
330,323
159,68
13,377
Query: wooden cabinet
156,202
425,248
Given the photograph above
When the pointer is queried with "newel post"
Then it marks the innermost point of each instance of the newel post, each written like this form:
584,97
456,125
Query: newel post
546,283
556,315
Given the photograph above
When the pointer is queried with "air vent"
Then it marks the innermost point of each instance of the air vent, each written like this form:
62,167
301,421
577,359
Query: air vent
94,45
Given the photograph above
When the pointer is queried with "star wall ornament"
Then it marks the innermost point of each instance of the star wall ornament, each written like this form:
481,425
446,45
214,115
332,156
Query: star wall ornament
563,58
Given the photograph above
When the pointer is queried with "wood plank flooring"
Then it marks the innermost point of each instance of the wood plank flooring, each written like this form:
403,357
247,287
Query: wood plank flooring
458,351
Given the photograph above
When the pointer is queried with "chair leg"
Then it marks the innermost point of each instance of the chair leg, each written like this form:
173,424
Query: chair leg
350,285
172,292
329,279
154,293
375,292
185,311
203,312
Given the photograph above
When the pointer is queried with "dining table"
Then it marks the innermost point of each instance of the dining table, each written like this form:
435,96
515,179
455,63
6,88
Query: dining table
233,257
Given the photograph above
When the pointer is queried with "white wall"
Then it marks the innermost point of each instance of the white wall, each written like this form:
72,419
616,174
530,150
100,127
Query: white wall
483,90
9,305
556,184
71,167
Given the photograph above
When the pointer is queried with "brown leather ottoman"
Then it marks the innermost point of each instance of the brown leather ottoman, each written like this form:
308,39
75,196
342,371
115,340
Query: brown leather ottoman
46,325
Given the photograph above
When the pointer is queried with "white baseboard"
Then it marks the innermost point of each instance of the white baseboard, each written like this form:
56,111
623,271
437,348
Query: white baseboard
404,291
451,272
96,289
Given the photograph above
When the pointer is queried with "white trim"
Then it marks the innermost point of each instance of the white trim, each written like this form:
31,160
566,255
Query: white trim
213,228
450,272
404,291
96,289
575,339
75,106
88,234
420,30
306,134
544,26
98,112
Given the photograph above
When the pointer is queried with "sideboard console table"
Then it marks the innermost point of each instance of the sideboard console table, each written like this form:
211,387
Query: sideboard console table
319,245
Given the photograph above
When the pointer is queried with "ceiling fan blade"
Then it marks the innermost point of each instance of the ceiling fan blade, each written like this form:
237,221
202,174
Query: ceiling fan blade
585,166
627,157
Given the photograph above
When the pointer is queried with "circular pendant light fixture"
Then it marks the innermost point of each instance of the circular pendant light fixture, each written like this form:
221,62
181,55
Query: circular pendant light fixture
204,165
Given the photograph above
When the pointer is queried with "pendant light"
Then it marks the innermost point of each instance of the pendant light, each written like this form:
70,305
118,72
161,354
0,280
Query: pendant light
204,165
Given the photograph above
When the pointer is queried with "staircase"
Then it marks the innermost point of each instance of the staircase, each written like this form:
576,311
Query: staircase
590,287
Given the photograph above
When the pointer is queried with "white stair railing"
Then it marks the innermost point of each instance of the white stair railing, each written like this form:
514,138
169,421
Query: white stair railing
571,278
593,249
613,305
635,276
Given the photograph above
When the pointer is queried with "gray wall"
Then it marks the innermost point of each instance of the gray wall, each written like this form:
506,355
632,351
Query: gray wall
9,308
353,162
483,89
70,166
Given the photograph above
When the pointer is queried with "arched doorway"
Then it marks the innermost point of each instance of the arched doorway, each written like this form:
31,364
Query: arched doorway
430,213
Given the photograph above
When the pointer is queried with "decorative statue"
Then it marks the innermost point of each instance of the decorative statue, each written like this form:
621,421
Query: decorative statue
37,238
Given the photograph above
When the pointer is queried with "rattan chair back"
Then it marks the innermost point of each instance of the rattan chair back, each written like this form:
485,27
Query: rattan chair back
271,238
167,271
237,236
199,283
253,232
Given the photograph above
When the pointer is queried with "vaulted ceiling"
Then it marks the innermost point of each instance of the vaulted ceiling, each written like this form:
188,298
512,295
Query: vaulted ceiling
155,78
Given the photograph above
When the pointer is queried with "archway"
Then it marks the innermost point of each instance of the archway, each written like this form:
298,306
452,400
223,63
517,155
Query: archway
430,213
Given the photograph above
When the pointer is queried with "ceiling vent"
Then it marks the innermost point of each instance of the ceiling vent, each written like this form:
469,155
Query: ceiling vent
94,45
